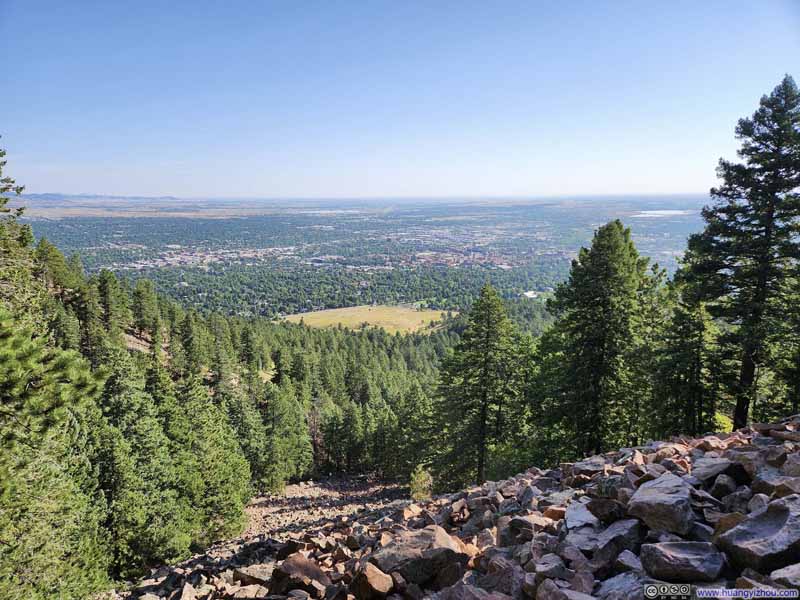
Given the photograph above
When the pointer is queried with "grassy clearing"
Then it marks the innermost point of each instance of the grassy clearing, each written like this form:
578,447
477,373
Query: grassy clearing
391,318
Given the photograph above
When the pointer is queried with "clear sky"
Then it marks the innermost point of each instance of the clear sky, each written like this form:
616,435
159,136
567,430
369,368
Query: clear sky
395,98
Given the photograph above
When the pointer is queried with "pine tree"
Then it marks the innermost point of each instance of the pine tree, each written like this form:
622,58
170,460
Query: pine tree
145,307
413,434
224,471
231,395
687,393
18,290
597,328
50,515
288,443
145,516
476,391
114,302
741,261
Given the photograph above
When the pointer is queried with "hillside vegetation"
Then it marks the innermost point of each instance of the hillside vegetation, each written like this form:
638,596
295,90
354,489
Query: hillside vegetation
114,461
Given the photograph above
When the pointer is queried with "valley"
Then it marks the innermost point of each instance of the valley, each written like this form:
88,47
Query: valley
276,258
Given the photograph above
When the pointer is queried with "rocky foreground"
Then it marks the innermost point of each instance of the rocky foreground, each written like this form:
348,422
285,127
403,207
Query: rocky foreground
720,511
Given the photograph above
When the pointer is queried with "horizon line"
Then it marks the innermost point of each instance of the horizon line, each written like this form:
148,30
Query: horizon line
366,198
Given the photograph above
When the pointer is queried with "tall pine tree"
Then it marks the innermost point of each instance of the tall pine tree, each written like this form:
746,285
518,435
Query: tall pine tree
741,262
476,391
598,311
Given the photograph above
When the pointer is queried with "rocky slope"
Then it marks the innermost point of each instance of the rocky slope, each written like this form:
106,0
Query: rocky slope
717,511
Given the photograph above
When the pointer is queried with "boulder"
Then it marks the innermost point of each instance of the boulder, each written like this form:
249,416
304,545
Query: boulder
254,574
619,536
409,545
625,586
298,572
549,590
606,509
589,466
505,577
682,561
370,583
664,503
787,487
791,467
627,561
420,555
723,485
578,515
463,591
251,591
767,540
757,502
788,576
706,469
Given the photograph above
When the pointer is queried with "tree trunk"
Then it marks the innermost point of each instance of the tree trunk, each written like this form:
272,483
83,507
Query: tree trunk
746,378
482,440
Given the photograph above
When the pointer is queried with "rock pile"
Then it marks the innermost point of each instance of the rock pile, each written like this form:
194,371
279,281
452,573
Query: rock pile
717,511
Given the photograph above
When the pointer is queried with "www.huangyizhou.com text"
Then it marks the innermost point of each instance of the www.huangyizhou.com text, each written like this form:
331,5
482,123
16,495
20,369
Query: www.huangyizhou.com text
745,593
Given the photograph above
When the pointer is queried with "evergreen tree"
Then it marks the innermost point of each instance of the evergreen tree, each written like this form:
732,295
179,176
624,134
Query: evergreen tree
113,303
18,290
741,262
145,307
50,514
476,390
288,443
412,436
222,467
597,329
687,375
145,516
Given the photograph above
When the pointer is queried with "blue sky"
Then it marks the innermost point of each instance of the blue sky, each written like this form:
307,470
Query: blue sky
369,98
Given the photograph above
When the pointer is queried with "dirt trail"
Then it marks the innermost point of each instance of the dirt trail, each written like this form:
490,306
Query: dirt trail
309,504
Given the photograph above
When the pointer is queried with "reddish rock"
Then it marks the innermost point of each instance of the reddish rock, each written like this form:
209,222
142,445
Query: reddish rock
371,583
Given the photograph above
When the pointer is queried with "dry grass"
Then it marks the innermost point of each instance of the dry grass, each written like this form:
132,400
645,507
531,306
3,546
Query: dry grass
391,318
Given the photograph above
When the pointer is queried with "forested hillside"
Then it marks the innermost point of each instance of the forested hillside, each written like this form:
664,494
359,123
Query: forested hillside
134,430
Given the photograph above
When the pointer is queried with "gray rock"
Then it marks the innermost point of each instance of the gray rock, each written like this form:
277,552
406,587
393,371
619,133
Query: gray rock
504,577
463,591
791,467
625,586
664,503
549,590
619,536
254,574
757,502
701,532
723,485
787,576
682,561
578,515
766,540
606,509
767,480
589,466
737,501
627,561
707,469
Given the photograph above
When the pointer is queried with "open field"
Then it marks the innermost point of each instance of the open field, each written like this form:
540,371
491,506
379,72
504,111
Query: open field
391,318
